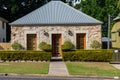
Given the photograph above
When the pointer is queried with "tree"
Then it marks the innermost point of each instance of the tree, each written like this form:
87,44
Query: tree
118,6
14,9
99,9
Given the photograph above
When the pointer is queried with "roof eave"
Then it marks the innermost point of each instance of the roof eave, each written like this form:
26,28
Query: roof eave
117,18
3,19
61,24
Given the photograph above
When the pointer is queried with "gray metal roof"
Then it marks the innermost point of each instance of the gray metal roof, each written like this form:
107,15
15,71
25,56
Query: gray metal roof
105,39
55,12
117,18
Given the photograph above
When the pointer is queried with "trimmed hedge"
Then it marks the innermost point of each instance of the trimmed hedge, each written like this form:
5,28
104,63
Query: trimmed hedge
25,55
88,55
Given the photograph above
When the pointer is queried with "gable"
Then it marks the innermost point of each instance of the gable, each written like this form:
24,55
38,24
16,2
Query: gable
116,27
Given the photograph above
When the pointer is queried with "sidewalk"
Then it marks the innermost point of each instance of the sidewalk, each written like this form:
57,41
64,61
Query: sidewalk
58,69
116,66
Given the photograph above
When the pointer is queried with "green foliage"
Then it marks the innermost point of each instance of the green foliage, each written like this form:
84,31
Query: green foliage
118,6
95,45
25,55
17,46
100,9
14,9
92,69
42,44
67,46
25,68
88,55
18,8
45,47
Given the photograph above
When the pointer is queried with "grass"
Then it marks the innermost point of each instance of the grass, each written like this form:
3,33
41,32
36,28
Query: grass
25,67
92,69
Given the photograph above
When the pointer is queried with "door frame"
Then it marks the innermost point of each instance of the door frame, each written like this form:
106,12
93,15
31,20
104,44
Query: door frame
80,32
78,36
25,37
55,32
27,41
60,43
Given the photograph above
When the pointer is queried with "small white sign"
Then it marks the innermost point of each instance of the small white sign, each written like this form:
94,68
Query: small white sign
116,51
116,77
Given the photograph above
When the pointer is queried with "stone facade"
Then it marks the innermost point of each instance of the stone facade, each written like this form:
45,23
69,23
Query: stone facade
19,33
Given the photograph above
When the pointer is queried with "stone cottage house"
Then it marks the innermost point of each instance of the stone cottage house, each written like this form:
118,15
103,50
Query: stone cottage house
55,23
3,25
115,33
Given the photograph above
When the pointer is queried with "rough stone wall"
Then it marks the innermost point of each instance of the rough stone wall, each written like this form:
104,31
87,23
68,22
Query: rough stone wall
19,33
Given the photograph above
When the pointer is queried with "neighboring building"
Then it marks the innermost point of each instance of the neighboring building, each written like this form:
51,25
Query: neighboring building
55,23
116,33
3,24
105,43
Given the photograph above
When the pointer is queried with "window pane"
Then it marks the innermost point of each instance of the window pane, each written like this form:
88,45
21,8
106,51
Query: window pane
2,25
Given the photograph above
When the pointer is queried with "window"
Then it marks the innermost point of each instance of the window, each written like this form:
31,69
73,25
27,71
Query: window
3,39
81,41
119,34
3,25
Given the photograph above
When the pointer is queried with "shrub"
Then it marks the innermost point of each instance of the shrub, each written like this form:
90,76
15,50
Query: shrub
67,46
25,55
95,45
42,44
45,47
17,46
88,55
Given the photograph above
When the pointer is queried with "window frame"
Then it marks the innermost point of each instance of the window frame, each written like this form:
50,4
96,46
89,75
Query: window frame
3,39
3,26
119,33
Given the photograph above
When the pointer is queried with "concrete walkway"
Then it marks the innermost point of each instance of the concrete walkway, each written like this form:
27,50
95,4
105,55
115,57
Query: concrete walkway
58,68
116,66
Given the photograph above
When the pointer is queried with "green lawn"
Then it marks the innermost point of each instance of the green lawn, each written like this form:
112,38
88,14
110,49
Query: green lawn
25,67
92,69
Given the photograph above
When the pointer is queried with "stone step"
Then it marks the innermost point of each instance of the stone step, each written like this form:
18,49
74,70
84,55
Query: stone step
56,59
115,62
